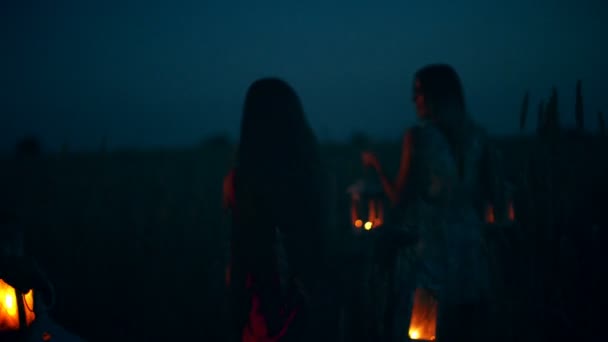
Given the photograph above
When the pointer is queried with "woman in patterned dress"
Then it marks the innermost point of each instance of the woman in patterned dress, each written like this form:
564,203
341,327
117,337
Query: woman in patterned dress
446,177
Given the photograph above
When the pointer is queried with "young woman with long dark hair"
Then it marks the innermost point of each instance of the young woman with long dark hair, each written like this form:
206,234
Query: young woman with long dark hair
447,175
277,192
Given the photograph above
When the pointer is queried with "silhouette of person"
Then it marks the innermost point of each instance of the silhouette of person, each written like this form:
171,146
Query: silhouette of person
279,213
444,180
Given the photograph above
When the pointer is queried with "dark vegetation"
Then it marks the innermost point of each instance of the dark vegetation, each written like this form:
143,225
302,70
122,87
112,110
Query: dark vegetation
28,147
136,241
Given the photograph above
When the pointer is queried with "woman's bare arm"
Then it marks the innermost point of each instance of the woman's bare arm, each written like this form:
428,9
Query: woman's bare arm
394,188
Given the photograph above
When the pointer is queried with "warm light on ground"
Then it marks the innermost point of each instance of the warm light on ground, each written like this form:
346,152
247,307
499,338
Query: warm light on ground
423,323
415,335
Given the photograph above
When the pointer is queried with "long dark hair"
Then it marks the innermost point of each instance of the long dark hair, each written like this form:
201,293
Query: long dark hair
444,96
280,181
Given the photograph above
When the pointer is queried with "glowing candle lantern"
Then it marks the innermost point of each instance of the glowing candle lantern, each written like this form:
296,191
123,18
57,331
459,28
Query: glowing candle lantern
423,322
490,214
16,308
367,202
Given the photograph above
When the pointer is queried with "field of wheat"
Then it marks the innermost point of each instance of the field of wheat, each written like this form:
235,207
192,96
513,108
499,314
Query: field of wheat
136,241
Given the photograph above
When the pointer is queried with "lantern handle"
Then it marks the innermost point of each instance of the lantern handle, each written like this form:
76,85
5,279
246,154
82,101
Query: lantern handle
51,291
24,274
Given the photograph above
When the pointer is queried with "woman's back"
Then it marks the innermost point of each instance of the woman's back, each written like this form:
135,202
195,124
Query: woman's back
279,186
442,207
439,195
435,176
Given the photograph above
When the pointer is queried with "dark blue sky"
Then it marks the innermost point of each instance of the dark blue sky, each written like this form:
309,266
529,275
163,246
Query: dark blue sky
148,72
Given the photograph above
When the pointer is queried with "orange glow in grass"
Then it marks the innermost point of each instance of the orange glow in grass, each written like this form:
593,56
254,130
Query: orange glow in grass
423,324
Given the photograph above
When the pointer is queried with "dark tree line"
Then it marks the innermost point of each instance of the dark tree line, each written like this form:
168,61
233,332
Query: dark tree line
602,123
524,111
578,110
28,147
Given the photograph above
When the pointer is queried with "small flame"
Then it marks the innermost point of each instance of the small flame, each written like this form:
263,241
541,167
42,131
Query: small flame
358,223
9,304
511,212
368,225
380,216
414,334
490,217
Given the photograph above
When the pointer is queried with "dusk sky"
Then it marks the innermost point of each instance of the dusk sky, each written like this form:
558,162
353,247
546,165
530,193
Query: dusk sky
151,72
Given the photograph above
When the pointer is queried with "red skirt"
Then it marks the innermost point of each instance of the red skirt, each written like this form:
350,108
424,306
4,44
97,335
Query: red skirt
256,329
